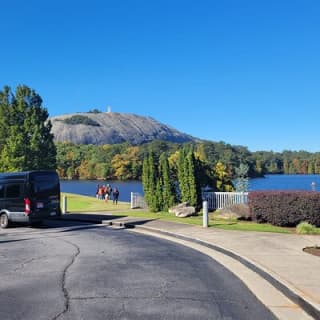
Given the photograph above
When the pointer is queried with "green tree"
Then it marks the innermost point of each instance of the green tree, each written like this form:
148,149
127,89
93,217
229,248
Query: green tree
191,177
149,181
242,181
182,175
222,179
26,142
166,183
191,172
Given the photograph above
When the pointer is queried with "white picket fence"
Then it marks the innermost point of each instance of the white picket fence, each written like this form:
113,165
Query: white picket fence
137,201
216,200
219,200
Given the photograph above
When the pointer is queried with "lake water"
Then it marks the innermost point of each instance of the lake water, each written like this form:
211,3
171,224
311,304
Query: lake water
89,187
285,182
269,182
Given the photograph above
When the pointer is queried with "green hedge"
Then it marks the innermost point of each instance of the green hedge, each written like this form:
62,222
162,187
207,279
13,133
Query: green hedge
285,208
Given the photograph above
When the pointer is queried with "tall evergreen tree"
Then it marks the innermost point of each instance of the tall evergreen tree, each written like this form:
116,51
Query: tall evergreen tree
149,180
157,200
183,176
167,184
26,142
191,175
145,179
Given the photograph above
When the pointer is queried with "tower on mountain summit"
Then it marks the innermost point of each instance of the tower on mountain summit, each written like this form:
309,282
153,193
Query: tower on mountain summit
108,109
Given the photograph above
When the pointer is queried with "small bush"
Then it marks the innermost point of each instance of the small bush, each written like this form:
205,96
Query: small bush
305,228
285,208
79,119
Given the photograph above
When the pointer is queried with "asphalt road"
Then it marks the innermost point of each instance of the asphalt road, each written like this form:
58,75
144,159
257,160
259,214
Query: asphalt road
70,270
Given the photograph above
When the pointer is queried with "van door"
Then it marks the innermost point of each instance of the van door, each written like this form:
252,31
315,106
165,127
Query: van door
44,190
2,199
14,201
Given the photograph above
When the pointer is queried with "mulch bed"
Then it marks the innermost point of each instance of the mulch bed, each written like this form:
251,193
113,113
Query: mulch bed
313,250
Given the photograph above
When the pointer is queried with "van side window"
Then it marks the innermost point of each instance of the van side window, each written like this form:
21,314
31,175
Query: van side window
13,191
1,191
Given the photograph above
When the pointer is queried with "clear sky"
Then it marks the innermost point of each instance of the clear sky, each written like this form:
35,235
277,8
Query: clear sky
239,71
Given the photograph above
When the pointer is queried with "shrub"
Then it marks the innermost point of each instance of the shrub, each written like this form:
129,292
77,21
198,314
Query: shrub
305,228
285,208
79,119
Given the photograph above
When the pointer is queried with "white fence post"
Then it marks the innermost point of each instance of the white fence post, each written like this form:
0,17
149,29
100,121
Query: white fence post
64,204
205,214
137,201
131,200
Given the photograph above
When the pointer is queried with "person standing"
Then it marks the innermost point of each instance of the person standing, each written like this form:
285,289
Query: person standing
115,195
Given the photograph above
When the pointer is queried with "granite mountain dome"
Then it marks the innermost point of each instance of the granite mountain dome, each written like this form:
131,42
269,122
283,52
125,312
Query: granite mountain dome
111,128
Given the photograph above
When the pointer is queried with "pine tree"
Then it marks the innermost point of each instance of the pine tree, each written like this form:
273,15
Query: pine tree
191,174
183,176
26,142
145,179
167,185
157,200
149,178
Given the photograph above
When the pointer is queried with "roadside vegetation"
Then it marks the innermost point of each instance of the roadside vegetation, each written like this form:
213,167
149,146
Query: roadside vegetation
78,203
307,228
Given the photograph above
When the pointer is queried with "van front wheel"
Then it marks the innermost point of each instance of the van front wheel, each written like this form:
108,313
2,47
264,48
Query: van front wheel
4,221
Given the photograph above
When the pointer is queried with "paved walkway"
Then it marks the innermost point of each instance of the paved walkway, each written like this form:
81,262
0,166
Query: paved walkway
275,258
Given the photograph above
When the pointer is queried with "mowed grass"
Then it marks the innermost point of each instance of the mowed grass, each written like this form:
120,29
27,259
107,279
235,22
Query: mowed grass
248,226
78,203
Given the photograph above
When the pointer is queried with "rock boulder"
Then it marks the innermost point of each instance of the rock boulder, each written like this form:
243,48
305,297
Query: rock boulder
183,210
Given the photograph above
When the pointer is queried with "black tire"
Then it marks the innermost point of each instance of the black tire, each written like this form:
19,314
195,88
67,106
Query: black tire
4,221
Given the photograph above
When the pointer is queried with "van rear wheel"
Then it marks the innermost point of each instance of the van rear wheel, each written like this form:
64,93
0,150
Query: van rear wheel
4,221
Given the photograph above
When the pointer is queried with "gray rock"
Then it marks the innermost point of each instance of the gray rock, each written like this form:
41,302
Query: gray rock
113,128
236,211
183,210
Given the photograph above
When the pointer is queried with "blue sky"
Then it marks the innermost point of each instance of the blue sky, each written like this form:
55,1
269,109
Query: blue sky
243,72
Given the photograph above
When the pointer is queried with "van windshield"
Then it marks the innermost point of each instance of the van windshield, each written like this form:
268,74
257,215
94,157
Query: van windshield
45,184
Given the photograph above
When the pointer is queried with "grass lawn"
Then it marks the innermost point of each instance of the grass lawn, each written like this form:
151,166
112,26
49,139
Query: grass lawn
79,203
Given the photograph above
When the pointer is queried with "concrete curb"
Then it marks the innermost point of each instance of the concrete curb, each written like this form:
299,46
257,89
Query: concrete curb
288,291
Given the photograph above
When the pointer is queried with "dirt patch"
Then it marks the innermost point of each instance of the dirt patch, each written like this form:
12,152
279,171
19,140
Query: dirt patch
313,250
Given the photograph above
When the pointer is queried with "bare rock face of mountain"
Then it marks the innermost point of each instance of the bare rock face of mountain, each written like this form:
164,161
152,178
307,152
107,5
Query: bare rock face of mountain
111,128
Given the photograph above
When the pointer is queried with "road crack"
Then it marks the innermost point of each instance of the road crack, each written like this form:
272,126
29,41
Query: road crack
63,280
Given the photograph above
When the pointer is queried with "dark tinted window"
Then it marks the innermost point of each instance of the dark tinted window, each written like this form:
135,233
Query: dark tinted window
1,191
13,191
45,184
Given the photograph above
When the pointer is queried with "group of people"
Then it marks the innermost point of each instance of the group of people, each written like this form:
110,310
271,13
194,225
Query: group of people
105,192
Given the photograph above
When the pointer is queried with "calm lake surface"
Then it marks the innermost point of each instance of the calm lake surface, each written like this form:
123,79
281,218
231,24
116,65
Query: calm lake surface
285,182
270,182
89,187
